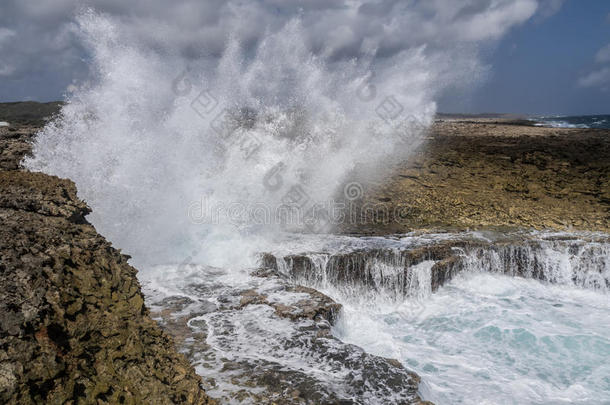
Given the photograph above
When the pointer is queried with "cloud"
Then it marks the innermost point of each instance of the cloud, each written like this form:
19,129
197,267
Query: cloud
493,21
6,69
603,55
599,79
42,30
5,35
548,8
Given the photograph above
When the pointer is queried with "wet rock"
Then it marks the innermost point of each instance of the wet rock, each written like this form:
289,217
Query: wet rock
314,305
273,344
74,328
391,272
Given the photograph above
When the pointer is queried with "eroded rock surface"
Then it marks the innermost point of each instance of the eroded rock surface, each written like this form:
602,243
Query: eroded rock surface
15,143
73,326
578,259
271,343
487,174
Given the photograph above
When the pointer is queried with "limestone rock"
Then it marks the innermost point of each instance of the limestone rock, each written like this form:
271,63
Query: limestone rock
74,328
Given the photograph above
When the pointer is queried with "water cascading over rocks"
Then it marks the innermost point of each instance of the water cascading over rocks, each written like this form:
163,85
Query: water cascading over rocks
399,273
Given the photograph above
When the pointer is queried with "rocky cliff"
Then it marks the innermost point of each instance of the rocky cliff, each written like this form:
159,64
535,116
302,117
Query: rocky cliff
73,328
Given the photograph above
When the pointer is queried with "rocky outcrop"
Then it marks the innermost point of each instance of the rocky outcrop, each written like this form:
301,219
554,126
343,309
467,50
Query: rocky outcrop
581,261
74,328
272,344
15,142
493,174
316,307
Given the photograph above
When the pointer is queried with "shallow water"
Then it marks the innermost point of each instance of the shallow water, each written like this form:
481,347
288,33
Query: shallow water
483,338
494,339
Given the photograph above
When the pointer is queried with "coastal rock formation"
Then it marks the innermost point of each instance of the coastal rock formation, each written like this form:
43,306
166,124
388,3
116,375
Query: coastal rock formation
15,143
494,174
74,328
576,260
272,344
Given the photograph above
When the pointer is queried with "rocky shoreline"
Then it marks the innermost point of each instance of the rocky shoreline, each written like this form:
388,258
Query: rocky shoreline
495,174
75,326
239,344
389,269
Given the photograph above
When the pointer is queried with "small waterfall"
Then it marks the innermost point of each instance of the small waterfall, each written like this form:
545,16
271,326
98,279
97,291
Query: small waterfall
419,280
583,264
387,272
415,272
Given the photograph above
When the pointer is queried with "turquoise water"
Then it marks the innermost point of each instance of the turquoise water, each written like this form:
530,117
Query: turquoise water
483,338
493,339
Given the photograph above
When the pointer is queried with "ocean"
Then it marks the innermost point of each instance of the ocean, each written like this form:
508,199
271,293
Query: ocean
576,121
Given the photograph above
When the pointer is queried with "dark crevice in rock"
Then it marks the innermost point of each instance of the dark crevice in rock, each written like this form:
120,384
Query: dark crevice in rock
59,336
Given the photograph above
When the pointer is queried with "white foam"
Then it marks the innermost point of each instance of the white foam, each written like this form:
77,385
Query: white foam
496,339
253,339
4,124
564,124
485,337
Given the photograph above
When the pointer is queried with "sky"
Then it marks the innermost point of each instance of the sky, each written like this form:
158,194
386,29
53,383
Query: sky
515,56
551,66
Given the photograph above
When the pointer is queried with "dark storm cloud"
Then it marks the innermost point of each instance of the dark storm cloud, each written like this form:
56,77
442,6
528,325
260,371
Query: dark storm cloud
40,52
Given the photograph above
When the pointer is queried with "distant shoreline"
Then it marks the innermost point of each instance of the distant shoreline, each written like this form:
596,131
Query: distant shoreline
37,114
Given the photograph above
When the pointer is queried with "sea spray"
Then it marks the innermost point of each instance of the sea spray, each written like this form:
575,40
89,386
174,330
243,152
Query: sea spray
155,144
188,111
193,153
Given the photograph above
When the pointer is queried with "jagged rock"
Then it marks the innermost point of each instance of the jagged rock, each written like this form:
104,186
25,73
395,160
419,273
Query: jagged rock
15,142
315,306
320,368
74,328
